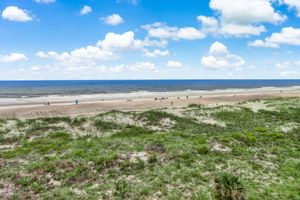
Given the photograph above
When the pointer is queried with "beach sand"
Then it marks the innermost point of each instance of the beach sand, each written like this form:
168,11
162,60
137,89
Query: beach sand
92,107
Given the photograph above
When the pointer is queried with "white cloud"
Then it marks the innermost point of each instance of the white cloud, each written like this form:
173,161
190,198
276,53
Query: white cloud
156,53
85,10
190,33
162,31
44,1
218,49
241,30
282,65
105,50
126,41
14,13
173,63
219,57
208,24
244,17
120,42
13,57
113,19
287,35
289,73
260,43
42,54
293,4
86,55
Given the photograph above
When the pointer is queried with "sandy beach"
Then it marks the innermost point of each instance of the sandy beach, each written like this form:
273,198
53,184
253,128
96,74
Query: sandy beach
100,106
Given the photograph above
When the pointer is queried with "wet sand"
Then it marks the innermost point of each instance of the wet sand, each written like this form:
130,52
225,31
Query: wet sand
92,107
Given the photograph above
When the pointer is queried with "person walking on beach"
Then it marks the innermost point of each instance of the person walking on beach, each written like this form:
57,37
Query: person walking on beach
76,101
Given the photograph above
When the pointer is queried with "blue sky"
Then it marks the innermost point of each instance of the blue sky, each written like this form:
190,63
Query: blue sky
149,39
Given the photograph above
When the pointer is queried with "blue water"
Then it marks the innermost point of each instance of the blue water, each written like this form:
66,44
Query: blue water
17,89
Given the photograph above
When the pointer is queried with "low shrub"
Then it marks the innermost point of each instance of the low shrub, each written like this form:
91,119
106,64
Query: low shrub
229,187
203,149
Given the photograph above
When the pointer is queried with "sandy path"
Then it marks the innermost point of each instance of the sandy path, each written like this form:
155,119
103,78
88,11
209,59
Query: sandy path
59,109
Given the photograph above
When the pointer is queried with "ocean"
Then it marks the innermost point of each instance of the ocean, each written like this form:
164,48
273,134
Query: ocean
17,92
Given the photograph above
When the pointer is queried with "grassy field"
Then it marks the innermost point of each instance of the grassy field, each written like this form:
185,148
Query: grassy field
250,150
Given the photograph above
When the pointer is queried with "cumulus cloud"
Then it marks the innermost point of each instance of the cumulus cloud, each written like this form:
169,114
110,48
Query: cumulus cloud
113,19
14,13
106,49
13,57
287,35
241,17
85,55
208,24
190,33
120,42
162,31
219,57
44,1
85,10
173,63
126,41
156,53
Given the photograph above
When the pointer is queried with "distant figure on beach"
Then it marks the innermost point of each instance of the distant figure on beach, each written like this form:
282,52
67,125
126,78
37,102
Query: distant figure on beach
172,103
187,97
76,101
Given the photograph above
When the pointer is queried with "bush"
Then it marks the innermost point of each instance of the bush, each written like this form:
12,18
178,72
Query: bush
229,187
203,149
152,158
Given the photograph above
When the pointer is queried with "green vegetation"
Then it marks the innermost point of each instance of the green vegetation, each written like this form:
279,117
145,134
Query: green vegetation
197,153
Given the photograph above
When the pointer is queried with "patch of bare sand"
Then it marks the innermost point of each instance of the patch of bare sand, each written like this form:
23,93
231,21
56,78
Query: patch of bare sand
6,189
255,106
120,118
288,127
136,156
219,147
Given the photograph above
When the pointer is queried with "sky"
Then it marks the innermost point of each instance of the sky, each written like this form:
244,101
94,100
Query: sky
149,39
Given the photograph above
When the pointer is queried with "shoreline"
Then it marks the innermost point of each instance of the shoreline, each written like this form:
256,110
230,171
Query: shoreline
126,104
70,99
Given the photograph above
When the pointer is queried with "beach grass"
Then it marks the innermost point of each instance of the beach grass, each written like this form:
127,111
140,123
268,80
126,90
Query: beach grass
229,152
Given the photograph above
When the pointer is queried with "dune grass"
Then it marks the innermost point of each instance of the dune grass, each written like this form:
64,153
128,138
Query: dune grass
255,156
